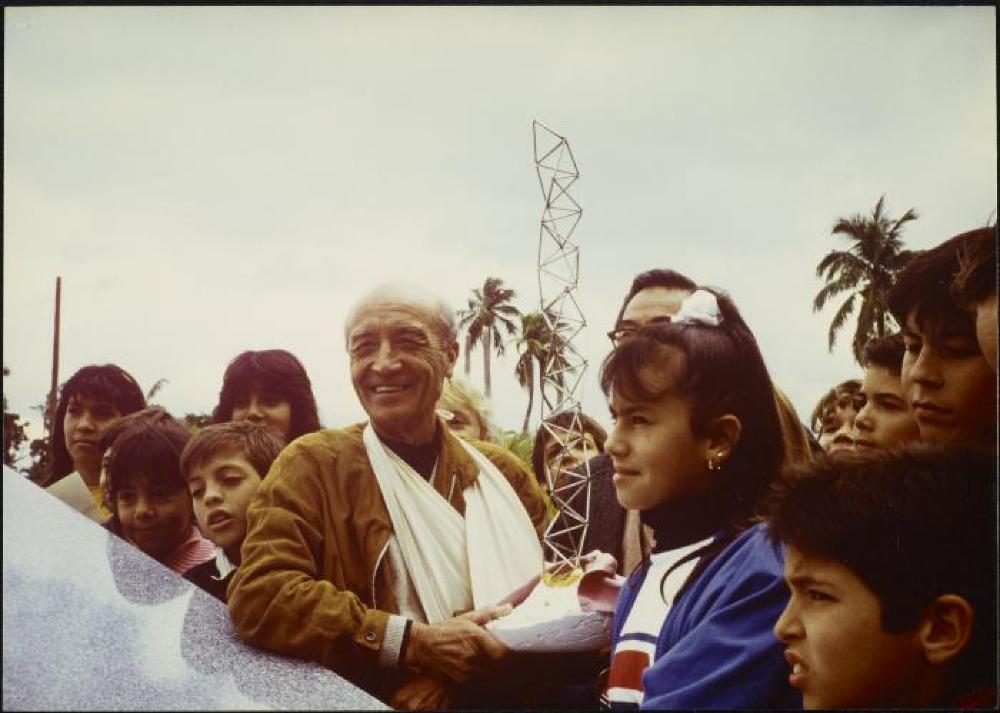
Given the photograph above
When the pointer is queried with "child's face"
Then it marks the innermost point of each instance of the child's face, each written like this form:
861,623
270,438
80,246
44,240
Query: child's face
885,419
839,654
950,386
838,426
264,407
221,488
85,422
154,518
657,458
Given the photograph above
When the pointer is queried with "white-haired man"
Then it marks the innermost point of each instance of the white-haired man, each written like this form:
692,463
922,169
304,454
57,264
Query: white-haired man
365,545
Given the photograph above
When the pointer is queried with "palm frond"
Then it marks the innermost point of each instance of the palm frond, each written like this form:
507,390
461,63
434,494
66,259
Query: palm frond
839,261
838,320
843,284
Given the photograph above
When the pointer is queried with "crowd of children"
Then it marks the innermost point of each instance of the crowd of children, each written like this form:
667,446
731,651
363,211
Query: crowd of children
850,567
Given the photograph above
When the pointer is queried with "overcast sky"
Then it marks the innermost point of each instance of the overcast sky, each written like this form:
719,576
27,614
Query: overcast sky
210,180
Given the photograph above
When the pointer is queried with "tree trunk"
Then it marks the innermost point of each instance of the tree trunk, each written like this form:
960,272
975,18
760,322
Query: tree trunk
486,362
468,356
531,395
541,385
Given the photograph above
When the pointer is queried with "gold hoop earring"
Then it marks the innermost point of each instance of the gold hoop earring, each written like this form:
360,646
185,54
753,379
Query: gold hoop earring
715,462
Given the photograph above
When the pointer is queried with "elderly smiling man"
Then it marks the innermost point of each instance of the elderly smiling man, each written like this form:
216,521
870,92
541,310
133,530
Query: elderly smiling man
365,545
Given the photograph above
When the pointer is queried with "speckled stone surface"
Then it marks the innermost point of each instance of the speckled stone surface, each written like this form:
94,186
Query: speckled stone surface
89,622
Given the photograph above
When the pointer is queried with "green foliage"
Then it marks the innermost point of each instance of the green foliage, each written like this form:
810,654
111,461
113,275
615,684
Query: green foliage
866,270
197,421
13,431
38,449
520,444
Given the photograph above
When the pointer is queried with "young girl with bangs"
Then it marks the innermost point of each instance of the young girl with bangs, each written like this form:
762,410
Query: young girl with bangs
696,442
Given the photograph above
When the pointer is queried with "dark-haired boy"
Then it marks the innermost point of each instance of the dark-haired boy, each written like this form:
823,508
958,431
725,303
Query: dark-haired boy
223,466
885,419
949,384
890,557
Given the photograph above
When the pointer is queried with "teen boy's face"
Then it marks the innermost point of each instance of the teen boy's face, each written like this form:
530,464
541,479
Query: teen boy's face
221,489
657,458
839,655
154,518
950,386
885,419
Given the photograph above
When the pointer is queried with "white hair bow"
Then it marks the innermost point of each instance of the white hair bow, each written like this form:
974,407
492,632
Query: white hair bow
700,307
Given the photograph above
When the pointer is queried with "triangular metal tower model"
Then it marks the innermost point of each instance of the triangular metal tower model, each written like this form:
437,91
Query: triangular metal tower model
558,275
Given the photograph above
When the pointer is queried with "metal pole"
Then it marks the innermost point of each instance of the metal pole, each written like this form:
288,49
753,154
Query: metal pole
55,357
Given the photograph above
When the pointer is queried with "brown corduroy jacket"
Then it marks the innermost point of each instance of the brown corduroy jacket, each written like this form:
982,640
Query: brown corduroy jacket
313,582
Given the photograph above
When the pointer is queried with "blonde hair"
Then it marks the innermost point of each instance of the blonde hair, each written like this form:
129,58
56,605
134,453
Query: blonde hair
463,394
794,440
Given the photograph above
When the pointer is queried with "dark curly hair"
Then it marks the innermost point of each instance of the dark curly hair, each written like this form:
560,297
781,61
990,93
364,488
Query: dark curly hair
912,523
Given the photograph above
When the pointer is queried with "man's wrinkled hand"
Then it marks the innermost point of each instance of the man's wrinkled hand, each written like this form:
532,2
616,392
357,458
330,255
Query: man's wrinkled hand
421,693
457,648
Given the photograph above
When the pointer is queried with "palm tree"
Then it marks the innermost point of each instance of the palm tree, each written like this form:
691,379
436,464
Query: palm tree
539,344
489,310
867,270
532,346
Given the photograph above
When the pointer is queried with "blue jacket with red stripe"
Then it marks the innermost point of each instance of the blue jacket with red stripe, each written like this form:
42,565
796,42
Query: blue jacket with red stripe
716,648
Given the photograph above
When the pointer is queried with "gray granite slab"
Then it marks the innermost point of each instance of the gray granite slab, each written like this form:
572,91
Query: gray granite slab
91,623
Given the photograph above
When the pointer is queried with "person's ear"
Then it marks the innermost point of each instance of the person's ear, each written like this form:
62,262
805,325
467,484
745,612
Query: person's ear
723,435
945,628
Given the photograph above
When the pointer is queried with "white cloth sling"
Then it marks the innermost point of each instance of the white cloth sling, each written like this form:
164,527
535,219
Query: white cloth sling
456,563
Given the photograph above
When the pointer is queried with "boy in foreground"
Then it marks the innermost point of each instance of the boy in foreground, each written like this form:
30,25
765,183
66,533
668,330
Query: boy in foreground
890,558
223,466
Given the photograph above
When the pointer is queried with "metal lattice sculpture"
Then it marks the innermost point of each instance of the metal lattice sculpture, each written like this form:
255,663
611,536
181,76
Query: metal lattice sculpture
562,376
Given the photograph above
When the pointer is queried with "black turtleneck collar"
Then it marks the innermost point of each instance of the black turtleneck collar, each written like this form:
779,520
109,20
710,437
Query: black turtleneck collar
683,523
421,458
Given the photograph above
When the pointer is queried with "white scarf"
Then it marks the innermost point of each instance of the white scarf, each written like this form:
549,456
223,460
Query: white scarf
456,563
